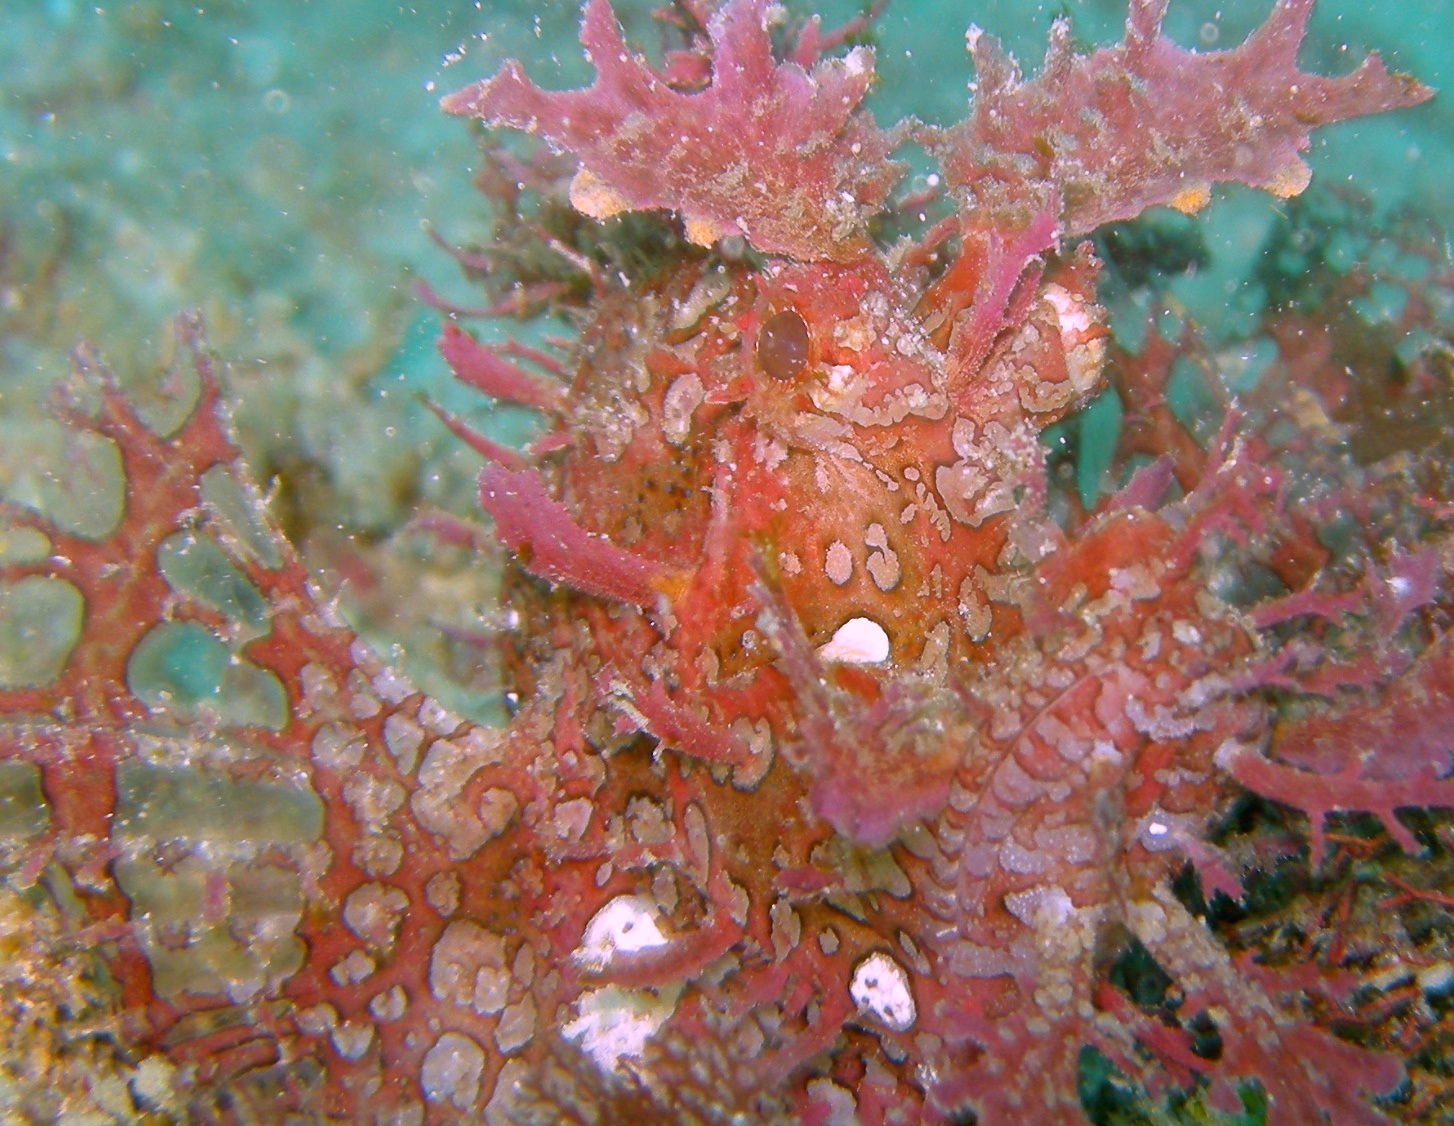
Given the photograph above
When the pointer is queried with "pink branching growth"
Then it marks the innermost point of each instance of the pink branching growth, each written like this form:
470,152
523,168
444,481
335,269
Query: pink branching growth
1390,751
487,448
483,368
1103,137
1000,272
103,732
1308,1073
771,151
165,474
552,545
1411,581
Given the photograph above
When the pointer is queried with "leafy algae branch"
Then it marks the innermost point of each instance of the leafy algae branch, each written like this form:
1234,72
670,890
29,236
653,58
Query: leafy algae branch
850,768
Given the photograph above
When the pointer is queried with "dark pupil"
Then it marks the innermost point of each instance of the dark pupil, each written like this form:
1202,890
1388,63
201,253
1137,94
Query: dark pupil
782,345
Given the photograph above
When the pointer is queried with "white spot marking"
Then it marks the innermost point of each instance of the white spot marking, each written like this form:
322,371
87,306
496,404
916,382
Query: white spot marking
391,1004
451,1071
683,397
352,1038
467,968
1186,633
352,968
497,808
517,1025
626,925
572,818
859,641
374,913
842,1107
1043,909
883,564
616,1023
880,988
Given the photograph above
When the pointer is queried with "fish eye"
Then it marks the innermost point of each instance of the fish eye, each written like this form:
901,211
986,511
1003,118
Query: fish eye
782,345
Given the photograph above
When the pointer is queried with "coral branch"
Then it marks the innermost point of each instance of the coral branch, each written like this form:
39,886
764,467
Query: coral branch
770,151
552,545
1318,795
1103,137
487,448
482,368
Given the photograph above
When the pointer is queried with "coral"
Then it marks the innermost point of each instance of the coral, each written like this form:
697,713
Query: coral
843,782
1143,133
777,152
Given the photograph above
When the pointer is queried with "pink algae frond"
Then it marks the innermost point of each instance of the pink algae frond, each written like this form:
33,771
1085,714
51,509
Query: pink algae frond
1100,138
555,547
211,853
484,369
774,152
1386,750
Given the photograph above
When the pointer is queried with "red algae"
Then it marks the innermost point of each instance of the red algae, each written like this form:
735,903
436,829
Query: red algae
844,780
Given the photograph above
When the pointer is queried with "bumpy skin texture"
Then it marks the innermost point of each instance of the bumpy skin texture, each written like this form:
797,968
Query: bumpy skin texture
840,771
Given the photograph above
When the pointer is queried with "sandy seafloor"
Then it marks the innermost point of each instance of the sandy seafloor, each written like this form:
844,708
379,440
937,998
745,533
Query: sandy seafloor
275,164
